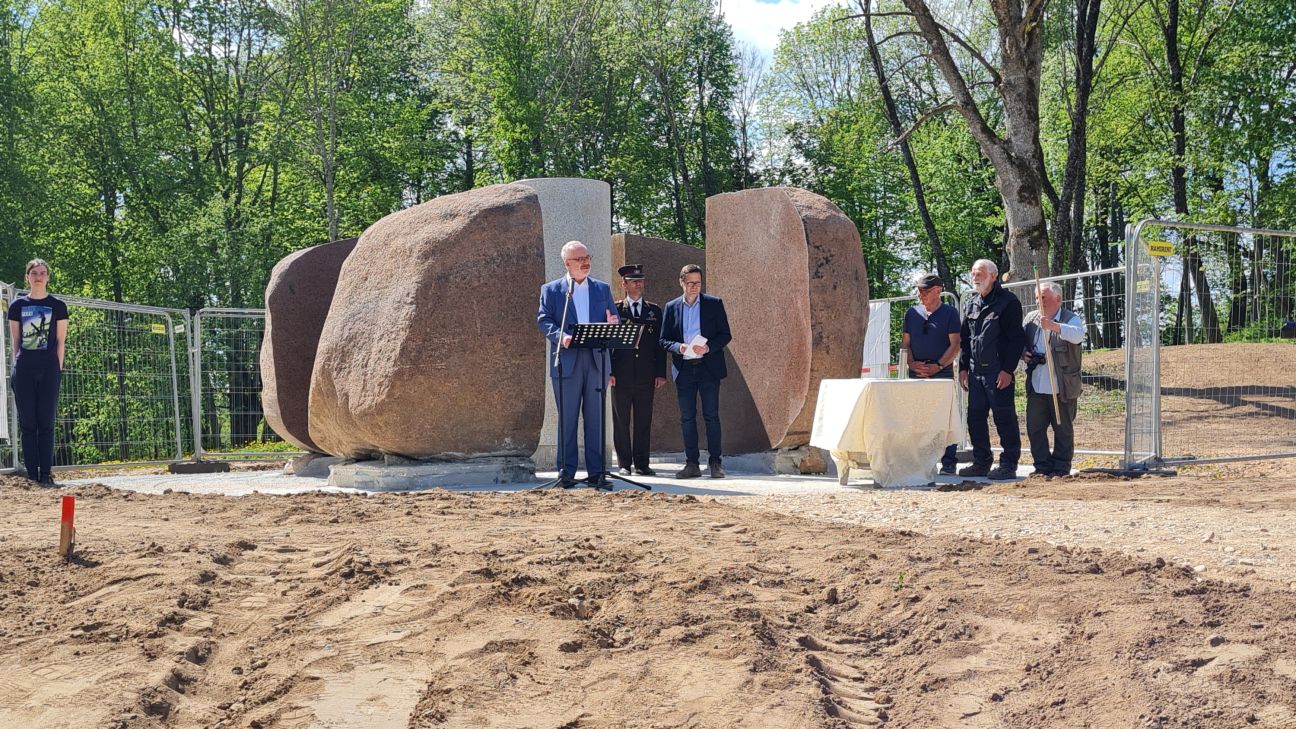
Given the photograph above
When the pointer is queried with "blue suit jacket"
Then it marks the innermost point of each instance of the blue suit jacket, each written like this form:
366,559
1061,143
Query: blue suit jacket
714,325
553,296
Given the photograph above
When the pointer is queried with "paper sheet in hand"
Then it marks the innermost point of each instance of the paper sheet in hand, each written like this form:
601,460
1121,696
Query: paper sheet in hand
688,351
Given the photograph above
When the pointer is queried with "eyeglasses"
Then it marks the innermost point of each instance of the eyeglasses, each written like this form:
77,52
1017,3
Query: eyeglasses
581,259
691,283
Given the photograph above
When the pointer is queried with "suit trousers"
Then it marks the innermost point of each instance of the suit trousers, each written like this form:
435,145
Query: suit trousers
632,408
983,400
695,382
578,399
36,394
1039,418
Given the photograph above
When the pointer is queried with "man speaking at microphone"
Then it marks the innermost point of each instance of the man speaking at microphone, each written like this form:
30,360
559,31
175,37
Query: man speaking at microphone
581,374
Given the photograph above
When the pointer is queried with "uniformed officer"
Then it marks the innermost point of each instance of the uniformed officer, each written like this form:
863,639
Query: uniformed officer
636,374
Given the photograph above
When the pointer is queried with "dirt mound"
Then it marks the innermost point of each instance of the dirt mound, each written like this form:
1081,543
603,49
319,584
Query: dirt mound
564,609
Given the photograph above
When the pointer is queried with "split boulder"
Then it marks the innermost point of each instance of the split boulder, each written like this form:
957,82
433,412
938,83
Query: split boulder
788,264
297,299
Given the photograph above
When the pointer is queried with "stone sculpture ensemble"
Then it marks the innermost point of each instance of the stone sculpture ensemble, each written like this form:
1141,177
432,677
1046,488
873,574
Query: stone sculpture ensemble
418,340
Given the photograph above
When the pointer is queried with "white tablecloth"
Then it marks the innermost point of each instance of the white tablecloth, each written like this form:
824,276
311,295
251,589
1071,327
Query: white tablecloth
898,429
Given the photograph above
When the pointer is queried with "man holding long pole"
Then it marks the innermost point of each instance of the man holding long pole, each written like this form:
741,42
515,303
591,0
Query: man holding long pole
1052,357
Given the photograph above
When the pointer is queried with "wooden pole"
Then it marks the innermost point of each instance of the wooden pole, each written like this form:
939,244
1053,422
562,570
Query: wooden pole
67,532
1048,352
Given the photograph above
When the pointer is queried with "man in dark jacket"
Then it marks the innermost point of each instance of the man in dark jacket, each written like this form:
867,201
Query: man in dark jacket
636,374
992,343
695,331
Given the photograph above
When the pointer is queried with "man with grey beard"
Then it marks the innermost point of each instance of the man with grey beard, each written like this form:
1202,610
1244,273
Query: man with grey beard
992,342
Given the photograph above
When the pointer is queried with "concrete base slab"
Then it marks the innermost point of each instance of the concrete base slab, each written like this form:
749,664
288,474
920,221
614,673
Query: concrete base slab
311,465
198,467
380,476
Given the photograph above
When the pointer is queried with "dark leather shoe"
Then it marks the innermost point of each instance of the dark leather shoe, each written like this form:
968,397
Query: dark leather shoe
717,471
567,483
645,472
624,471
974,471
1002,473
1043,472
690,470
947,470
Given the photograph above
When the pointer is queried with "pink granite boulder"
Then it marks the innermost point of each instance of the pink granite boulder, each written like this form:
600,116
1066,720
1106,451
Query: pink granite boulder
430,344
297,299
789,267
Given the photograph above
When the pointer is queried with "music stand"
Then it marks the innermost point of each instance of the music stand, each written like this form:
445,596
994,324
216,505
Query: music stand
599,336
607,336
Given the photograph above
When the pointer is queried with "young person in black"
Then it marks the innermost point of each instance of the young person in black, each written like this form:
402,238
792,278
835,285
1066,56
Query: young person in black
38,329
931,334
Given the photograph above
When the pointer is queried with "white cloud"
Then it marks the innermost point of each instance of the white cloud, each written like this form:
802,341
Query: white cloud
759,23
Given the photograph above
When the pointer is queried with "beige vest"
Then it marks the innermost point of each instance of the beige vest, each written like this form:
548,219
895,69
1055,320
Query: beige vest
1066,356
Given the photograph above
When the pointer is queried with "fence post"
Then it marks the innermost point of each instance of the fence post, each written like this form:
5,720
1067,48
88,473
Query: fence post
195,382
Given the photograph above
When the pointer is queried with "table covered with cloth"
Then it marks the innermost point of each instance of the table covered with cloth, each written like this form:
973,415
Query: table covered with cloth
898,429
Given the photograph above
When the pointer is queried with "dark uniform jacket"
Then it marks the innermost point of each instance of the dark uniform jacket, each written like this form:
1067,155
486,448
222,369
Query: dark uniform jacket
640,366
993,340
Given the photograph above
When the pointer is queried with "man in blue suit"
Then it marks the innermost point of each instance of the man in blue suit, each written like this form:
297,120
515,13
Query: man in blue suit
697,367
583,373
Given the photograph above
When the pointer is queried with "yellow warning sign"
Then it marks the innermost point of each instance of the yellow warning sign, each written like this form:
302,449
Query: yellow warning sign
158,328
1160,248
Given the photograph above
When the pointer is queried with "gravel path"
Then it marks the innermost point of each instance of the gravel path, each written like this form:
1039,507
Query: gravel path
1222,543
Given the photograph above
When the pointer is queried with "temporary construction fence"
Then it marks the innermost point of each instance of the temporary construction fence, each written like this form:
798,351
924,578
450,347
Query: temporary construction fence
1212,343
226,387
122,387
8,419
1099,298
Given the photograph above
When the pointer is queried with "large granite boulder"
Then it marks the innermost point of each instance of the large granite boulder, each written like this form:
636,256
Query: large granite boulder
789,266
573,209
662,261
425,349
297,299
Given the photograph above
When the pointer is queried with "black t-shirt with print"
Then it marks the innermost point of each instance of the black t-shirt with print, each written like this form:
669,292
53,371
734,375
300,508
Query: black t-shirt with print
37,328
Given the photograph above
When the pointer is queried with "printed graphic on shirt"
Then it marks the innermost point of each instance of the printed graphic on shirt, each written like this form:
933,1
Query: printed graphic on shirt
36,324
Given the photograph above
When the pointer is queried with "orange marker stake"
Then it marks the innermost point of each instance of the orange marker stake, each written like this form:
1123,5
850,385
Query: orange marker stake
67,532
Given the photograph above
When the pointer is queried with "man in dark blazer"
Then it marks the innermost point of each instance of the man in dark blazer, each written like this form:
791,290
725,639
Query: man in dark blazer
636,373
581,372
697,366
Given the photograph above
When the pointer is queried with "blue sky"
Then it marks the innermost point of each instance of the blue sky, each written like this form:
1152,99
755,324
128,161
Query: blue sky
758,22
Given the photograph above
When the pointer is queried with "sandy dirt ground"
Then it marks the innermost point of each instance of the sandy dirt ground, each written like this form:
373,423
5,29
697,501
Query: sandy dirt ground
1080,602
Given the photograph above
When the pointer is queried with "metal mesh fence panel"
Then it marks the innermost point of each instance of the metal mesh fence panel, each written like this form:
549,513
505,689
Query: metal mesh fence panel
121,392
1220,317
1097,297
9,438
231,422
1142,423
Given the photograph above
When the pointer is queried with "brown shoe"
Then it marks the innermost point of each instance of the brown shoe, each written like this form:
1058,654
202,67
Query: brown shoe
717,471
690,470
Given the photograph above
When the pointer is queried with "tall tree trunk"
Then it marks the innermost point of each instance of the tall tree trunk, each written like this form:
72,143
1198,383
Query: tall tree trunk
1017,157
1068,217
915,180
1193,267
